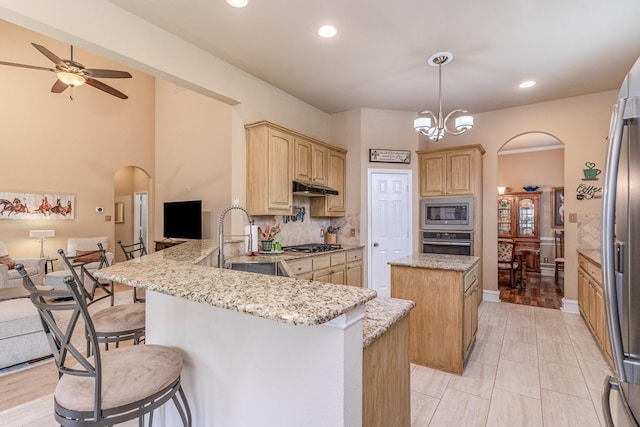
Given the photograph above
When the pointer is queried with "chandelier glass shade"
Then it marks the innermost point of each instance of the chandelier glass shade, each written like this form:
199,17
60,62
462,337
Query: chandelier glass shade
435,126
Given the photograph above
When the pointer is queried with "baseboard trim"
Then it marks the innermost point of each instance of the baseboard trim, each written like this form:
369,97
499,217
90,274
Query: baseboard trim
490,296
570,306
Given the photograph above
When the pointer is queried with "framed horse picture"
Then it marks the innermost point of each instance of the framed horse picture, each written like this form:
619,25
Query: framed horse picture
36,206
557,207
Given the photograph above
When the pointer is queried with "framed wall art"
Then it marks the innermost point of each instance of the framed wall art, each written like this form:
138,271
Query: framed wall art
36,206
557,207
381,155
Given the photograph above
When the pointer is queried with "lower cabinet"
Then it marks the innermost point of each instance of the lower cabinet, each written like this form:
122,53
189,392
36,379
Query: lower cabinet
591,302
341,268
469,317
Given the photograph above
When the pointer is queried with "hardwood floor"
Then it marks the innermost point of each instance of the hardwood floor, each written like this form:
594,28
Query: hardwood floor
540,291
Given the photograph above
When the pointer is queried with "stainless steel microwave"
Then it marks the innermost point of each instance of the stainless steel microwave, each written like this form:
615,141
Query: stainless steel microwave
453,213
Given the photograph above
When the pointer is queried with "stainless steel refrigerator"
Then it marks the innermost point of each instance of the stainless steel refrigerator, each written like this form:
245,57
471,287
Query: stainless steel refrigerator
621,254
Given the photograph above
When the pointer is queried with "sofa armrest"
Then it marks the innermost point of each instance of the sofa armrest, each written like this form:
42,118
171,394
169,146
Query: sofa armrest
4,276
38,263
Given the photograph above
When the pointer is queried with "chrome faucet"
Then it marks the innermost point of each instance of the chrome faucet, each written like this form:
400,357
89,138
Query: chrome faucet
221,232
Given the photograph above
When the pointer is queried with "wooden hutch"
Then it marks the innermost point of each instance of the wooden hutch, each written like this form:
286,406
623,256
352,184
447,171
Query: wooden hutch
519,219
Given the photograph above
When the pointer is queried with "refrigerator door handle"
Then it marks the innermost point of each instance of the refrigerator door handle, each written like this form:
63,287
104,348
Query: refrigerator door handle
608,237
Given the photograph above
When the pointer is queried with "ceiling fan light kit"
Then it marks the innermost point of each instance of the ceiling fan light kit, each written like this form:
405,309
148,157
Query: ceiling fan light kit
435,127
73,74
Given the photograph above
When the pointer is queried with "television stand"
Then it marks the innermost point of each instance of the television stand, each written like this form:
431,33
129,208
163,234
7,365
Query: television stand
164,244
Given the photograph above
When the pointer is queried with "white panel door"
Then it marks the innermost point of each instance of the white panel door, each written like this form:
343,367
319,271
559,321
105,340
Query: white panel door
389,224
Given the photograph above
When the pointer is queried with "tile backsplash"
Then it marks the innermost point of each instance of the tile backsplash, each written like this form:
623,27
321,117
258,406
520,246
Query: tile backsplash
310,229
589,227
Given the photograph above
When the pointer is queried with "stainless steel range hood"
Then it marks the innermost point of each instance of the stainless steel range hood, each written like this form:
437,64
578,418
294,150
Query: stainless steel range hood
308,189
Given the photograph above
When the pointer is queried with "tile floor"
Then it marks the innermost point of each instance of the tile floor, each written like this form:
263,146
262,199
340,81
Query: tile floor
530,366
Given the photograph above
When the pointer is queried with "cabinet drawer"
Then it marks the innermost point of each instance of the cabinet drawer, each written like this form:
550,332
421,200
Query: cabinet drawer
471,277
300,267
595,272
354,255
338,259
583,263
320,262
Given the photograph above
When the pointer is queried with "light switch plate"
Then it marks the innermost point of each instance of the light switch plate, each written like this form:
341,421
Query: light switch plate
573,217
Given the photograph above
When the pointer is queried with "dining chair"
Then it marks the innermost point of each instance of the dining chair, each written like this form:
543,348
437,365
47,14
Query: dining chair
507,258
559,260
134,250
107,387
114,323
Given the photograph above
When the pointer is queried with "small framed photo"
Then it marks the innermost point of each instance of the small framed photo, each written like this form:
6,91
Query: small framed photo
382,155
557,207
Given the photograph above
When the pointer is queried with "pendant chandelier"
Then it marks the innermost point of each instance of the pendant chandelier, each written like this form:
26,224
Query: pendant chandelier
435,128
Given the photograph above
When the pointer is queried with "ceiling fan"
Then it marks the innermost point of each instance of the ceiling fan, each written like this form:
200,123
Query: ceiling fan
71,73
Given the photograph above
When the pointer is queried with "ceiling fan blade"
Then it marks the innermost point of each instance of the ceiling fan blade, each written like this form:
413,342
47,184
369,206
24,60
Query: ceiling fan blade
33,67
106,88
108,74
59,87
46,52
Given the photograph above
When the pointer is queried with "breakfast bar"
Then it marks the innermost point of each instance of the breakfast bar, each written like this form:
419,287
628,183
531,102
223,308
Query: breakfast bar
257,349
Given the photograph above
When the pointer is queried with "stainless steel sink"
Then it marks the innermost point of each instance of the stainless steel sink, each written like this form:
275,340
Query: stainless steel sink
270,268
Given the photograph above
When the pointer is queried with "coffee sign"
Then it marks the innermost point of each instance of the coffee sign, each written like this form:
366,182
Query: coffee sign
586,191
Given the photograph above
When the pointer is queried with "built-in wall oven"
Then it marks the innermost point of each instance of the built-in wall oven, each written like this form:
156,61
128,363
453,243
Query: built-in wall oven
447,242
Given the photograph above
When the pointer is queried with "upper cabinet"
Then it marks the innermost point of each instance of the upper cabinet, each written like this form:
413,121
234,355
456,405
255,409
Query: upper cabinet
310,162
450,172
269,171
336,179
276,156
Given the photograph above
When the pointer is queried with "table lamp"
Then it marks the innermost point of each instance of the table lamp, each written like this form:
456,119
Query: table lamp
42,234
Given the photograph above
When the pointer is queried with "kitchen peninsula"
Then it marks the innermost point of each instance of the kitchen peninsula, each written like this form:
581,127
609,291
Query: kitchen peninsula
444,322
257,349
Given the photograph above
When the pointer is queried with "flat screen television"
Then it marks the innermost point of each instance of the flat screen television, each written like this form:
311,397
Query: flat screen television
183,220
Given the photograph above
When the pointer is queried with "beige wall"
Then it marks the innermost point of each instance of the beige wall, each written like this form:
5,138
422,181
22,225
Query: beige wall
51,144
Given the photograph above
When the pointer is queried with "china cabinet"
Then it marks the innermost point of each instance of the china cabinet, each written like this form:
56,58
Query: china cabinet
519,219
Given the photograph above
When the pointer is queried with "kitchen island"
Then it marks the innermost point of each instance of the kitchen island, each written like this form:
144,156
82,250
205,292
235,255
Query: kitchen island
445,319
257,349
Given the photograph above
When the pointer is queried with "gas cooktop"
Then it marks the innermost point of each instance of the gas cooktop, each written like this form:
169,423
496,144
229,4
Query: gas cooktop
312,247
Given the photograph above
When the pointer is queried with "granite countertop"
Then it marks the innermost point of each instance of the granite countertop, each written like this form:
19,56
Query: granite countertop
175,271
380,314
286,255
594,255
438,262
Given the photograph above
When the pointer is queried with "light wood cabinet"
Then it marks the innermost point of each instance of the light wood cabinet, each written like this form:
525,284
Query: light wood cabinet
450,172
519,219
340,268
276,156
591,302
269,170
354,267
444,322
336,179
310,162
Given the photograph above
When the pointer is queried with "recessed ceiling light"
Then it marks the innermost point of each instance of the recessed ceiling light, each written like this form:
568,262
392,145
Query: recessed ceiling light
327,31
238,3
528,83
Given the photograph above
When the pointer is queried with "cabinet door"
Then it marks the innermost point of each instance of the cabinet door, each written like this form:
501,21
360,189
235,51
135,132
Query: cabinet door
598,313
467,324
322,276
505,216
582,292
318,164
432,175
336,180
528,216
459,173
302,167
337,276
279,171
354,274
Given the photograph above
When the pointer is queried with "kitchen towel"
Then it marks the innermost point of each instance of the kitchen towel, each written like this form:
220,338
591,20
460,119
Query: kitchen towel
254,238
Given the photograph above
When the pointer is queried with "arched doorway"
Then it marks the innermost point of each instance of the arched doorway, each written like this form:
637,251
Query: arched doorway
131,190
534,160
